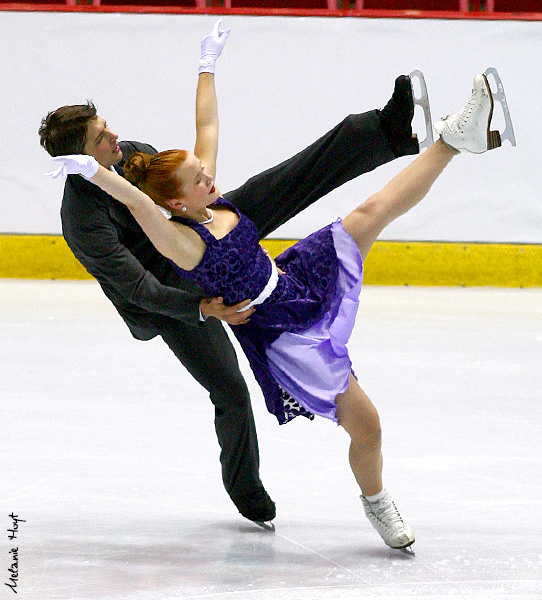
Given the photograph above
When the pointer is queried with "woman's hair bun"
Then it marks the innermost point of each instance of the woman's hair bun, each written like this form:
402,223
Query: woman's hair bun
137,167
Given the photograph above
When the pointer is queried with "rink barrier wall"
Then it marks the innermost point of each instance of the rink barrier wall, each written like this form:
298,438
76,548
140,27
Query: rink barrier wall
389,263
278,92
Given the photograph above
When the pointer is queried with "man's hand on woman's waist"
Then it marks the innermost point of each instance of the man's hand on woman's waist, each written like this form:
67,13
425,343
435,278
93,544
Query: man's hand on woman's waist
215,307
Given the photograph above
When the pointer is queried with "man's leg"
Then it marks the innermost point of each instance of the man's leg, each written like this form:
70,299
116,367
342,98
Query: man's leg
357,145
210,358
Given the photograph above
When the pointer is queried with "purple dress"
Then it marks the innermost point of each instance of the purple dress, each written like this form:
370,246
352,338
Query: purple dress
296,340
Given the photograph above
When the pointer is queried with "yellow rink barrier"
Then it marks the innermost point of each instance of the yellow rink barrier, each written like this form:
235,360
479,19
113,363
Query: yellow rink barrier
389,263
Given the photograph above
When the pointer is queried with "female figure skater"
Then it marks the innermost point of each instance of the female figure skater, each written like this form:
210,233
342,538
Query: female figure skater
305,301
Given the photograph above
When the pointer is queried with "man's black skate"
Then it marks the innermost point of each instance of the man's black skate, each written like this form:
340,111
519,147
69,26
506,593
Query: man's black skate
396,118
257,507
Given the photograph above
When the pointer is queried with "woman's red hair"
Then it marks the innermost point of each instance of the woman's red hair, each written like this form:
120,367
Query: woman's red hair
156,174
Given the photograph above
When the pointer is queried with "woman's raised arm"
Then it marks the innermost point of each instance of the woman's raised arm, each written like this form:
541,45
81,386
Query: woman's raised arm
206,148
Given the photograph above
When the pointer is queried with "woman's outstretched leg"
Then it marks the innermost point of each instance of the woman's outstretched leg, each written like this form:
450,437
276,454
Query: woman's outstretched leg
357,414
402,193
468,130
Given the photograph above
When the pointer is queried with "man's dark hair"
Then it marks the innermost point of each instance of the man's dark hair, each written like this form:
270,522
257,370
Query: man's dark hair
64,130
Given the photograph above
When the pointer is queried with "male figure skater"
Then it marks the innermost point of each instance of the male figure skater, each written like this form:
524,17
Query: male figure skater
153,300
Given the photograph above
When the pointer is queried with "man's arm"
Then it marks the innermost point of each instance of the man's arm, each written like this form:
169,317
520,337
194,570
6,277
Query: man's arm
94,240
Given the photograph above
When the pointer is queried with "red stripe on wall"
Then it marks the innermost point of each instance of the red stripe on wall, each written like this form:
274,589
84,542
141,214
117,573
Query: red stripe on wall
280,12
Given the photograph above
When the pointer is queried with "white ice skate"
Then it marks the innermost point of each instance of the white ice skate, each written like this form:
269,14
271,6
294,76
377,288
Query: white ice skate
469,129
423,101
386,519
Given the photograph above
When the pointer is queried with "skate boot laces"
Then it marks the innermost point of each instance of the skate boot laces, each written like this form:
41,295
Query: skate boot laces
388,515
385,518
455,123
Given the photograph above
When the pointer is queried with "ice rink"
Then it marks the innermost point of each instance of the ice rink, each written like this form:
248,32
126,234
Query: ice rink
109,457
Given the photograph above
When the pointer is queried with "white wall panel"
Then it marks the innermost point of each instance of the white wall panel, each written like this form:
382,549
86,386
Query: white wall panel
282,82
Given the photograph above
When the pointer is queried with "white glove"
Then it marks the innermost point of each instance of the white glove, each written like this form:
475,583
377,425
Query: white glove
75,164
211,48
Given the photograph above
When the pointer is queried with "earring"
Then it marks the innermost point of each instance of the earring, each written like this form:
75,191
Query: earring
183,208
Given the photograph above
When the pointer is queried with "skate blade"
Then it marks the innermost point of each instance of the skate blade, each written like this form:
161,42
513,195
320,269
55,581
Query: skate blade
500,97
267,525
409,550
423,101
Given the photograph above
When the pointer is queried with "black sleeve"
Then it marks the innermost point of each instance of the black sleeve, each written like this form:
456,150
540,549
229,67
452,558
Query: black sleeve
94,240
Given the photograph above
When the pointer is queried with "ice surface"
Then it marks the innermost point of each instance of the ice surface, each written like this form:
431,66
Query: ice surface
109,455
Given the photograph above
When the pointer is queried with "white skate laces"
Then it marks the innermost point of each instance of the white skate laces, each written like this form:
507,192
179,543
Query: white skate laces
468,130
385,518
456,123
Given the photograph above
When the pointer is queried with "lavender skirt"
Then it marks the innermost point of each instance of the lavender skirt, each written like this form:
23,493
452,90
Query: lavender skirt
314,366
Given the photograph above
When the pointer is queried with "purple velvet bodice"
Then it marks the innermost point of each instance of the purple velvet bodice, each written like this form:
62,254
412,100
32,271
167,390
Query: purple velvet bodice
235,266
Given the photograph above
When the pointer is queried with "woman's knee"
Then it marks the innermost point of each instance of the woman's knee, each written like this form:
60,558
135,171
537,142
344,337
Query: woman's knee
366,222
372,213
359,417
373,431
367,431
